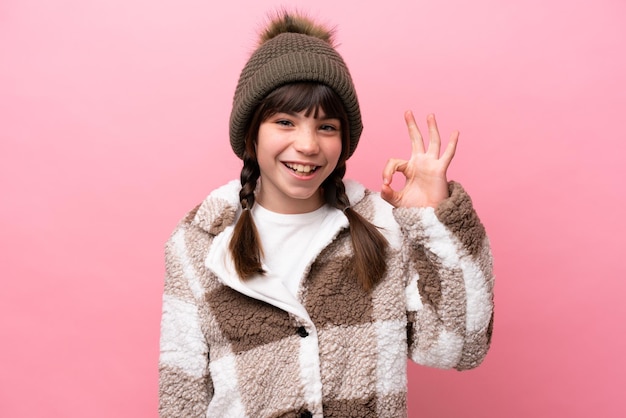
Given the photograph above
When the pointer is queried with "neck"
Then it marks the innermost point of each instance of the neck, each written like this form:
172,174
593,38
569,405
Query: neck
289,205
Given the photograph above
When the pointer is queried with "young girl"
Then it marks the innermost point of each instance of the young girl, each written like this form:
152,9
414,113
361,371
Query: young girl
294,293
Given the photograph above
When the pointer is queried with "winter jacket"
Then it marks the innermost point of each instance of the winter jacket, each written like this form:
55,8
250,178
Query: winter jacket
230,350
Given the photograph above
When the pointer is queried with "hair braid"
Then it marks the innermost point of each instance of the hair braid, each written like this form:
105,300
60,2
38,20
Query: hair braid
250,173
369,245
245,245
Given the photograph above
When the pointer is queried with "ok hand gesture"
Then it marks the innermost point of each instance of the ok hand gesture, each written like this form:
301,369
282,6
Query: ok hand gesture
425,172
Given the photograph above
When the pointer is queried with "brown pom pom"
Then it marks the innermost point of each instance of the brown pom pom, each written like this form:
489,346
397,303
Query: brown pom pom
294,22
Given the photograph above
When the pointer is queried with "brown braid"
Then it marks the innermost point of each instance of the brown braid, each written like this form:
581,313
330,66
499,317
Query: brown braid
369,245
245,245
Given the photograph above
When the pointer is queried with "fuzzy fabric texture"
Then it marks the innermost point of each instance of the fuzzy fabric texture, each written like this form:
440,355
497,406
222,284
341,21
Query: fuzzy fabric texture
292,49
228,351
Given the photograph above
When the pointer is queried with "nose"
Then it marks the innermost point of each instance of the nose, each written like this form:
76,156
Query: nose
306,141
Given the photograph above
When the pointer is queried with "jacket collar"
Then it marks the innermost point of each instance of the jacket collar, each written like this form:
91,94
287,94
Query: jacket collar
221,208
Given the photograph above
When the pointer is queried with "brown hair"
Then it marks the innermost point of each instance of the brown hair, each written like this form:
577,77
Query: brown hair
245,246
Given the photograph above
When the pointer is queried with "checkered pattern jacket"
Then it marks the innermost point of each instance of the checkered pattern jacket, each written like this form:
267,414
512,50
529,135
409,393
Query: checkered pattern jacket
228,351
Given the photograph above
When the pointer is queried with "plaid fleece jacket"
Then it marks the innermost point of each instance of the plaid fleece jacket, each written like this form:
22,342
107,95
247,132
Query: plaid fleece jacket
228,351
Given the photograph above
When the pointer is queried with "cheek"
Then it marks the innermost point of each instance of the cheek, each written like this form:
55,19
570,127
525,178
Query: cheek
333,151
264,146
263,156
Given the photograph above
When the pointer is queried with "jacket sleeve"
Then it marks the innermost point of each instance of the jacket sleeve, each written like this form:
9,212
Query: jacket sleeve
185,387
448,267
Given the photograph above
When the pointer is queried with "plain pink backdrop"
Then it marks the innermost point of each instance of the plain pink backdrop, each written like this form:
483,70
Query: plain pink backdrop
114,123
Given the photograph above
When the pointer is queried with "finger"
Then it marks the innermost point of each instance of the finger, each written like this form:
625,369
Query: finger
393,165
390,195
434,143
448,154
417,142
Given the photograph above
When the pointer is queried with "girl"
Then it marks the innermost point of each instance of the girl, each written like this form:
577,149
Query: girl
294,293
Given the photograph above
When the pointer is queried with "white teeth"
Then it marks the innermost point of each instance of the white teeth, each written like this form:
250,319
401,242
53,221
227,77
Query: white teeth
299,168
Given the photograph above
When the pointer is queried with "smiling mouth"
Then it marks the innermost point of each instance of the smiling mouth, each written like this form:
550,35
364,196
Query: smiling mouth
301,169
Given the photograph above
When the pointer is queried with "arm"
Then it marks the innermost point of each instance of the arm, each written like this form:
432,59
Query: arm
447,256
185,387
449,283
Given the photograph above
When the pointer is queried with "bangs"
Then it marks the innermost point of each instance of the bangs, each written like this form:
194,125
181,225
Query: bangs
307,97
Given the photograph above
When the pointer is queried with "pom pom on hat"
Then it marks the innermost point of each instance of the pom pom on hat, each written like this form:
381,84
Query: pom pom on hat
296,23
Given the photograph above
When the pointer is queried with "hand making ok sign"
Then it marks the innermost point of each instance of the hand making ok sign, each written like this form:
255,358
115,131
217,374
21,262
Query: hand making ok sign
425,172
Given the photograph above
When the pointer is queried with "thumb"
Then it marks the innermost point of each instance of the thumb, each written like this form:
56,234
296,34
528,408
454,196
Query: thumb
390,195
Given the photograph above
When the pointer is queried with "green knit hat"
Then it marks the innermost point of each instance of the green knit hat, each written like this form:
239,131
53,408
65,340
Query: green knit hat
292,49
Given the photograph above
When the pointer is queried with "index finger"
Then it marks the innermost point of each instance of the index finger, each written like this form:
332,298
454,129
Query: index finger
393,166
417,142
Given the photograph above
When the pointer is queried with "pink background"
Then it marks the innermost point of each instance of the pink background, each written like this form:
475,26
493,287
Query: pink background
113,123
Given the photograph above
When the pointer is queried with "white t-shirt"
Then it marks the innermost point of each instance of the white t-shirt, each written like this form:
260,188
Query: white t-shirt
291,241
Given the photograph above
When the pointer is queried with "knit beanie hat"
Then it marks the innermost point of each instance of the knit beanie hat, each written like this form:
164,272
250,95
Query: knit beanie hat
292,49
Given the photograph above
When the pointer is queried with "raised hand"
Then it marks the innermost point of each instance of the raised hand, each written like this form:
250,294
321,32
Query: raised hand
425,172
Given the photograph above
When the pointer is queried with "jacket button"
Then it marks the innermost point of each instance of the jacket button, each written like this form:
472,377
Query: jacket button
306,414
303,333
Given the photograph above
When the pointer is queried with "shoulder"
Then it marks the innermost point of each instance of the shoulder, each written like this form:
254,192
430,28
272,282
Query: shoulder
374,208
366,202
217,211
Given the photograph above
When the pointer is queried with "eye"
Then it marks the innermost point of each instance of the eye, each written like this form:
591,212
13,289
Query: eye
284,122
329,127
